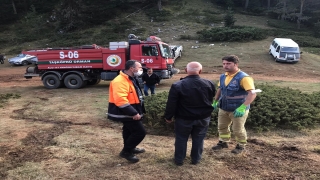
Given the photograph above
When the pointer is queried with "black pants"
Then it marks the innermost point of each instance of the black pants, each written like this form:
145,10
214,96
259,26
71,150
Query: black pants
198,130
133,133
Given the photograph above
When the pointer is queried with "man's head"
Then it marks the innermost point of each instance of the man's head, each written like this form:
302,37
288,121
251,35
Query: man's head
133,68
193,68
150,71
230,63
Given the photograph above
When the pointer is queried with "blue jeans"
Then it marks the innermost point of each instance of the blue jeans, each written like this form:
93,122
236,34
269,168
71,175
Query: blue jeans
147,87
198,130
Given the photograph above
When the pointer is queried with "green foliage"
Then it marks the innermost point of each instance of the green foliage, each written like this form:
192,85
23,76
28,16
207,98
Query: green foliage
236,33
224,3
274,108
306,41
7,14
122,26
154,118
157,15
279,107
31,27
316,30
285,25
5,97
229,19
203,17
312,50
188,37
176,5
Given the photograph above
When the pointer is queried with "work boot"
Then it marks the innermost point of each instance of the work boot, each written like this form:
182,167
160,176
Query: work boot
220,145
129,156
138,150
239,149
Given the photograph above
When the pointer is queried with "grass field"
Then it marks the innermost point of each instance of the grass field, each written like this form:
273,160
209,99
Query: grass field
64,134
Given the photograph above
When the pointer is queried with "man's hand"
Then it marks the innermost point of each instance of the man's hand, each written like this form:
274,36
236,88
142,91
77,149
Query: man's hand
157,84
239,112
136,117
215,104
144,82
169,120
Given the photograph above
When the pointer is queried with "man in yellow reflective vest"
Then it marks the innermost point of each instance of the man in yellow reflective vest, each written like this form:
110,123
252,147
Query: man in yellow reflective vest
233,99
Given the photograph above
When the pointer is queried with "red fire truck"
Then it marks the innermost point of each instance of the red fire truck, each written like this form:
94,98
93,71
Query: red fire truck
76,67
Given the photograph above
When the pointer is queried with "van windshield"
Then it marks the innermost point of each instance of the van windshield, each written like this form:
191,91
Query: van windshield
290,49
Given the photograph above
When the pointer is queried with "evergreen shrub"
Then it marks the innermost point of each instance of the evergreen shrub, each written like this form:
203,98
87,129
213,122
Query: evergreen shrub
273,108
235,33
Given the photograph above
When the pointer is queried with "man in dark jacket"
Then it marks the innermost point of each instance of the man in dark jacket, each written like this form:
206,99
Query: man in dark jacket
2,58
150,81
126,106
190,103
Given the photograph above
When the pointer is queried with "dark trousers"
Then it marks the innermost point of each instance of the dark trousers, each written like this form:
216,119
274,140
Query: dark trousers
198,130
147,87
133,133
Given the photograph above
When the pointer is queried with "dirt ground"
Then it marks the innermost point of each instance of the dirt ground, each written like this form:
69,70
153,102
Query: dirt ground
287,160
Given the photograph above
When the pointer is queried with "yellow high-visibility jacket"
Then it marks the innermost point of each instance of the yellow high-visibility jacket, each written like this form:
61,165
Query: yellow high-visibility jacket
124,101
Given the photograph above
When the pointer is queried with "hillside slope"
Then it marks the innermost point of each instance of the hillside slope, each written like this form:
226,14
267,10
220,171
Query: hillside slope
64,134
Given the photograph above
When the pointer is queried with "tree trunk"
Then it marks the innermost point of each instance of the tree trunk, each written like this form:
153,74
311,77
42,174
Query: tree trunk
14,7
25,5
159,5
246,5
284,9
300,14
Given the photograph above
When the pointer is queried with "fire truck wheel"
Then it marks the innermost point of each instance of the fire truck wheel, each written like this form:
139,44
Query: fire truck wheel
73,81
51,81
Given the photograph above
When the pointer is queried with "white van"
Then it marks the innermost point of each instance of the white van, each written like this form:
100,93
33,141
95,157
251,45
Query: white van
285,50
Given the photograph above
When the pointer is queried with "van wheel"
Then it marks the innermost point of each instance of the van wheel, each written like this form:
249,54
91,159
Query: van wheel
270,51
276,59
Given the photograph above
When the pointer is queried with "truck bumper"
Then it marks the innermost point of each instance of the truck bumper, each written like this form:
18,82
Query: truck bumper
30,75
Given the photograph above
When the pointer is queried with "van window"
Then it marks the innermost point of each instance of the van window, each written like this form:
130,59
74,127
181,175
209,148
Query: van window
289,49
278,49
275,45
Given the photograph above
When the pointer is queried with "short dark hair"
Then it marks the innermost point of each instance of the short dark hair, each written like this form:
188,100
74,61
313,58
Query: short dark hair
231,58
129,64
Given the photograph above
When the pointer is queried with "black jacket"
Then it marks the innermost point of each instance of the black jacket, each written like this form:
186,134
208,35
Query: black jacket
150,80
190,98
